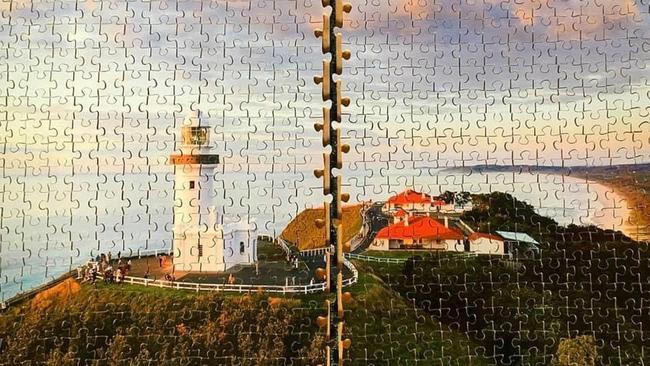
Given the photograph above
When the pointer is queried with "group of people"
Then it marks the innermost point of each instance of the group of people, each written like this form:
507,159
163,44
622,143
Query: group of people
112,271
294,260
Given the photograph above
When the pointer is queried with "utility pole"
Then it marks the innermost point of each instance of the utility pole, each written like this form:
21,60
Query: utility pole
332,42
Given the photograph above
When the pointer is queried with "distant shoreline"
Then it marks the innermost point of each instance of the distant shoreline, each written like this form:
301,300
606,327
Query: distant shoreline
630,181
552,169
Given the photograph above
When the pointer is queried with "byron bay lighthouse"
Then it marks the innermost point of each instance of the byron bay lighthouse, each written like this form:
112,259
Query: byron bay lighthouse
201,243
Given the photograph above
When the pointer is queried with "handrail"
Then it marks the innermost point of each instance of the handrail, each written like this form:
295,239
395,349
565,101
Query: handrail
316,251
366,258
180,285
285,246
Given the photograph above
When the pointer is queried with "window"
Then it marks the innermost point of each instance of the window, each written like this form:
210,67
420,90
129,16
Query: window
200,250
195,135
192,184
241,247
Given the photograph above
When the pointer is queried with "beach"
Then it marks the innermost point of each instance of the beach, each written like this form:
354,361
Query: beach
630,201
621,192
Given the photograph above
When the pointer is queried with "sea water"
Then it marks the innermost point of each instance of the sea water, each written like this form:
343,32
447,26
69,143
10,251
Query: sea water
53,223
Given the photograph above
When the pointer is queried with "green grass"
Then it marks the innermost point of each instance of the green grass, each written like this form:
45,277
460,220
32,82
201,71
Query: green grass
384,328
125,290
267,251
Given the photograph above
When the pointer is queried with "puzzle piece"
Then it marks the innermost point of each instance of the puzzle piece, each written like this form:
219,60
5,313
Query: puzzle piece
158,202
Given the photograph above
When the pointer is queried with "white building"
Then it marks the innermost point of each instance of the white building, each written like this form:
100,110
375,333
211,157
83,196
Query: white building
501,243
484,243
419,232
200,243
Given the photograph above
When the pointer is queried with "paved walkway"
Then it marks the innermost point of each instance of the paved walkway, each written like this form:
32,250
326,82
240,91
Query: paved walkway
151,267
272,269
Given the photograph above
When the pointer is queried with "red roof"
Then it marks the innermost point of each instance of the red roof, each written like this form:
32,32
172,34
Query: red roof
410,196
419,228
475,236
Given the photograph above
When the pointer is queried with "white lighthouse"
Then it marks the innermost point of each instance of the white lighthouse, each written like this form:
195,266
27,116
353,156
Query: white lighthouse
200,244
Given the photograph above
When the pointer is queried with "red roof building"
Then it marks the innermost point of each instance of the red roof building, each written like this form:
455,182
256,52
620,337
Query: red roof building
409,200
409,196
417,229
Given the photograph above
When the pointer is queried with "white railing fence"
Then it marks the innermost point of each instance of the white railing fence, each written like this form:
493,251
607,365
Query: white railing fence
180,285
366,258
241,288
316,251
355,274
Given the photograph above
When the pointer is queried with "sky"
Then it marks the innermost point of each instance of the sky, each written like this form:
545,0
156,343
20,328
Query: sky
100,88
447,82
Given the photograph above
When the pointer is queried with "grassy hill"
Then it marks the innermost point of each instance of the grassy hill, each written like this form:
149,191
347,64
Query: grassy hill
137,325
303,232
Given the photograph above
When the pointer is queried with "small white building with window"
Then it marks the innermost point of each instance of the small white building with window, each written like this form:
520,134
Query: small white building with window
200,243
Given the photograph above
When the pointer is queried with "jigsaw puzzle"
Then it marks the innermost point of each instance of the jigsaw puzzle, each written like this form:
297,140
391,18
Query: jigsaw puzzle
343,182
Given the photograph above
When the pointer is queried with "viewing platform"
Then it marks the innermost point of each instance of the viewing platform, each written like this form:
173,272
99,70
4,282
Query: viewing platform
273,273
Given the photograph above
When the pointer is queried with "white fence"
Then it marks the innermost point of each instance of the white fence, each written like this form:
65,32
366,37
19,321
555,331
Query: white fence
178,285
150,252
295,289
316,251
366,258
355,274
280,289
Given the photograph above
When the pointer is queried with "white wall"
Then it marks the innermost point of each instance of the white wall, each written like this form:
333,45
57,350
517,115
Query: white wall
233,238
455,246
379,244
186,252
195,221
487,246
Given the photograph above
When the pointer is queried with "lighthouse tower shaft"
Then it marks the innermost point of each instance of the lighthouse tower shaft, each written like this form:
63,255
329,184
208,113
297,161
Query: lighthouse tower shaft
198,240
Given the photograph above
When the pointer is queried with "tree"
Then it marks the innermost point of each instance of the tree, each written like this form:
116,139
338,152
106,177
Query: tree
576,351
447,197
462,198
58,358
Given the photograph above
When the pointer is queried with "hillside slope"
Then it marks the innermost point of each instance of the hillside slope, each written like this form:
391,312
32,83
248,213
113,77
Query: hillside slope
303,232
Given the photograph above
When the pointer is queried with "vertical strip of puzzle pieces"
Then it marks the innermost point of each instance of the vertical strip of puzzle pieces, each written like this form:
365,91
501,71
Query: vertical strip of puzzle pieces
331,90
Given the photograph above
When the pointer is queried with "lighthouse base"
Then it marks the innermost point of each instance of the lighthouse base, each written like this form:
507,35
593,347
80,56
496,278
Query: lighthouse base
216,250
